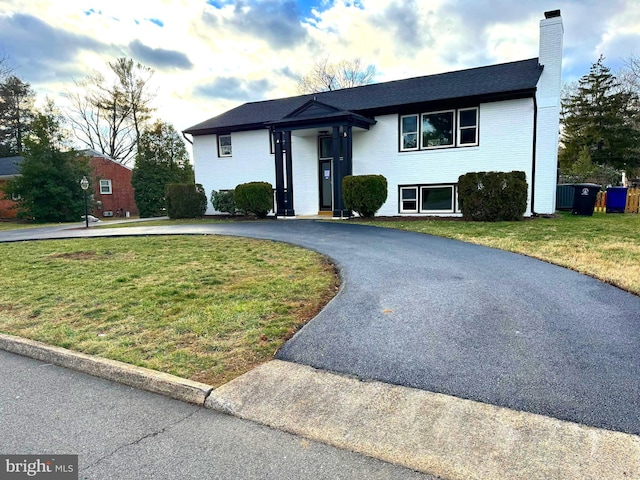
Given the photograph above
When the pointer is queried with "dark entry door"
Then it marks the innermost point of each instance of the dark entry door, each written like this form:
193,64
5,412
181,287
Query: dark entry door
326,185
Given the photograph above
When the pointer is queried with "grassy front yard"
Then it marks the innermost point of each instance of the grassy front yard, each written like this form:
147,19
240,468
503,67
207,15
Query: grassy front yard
205,308
604,246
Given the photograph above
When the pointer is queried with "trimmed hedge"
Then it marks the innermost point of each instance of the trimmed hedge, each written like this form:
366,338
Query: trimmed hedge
364,194
185,200
493,196
255,197
224,201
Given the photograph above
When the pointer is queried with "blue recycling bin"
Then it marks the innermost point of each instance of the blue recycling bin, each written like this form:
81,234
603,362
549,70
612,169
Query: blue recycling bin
584,198
616,199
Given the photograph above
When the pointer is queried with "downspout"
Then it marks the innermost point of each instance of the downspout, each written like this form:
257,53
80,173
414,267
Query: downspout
533,156
185,137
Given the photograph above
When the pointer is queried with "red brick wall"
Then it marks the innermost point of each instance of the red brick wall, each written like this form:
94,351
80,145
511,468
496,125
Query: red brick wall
5,205
122,191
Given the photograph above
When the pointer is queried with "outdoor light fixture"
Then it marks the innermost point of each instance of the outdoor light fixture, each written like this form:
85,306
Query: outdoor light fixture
84,184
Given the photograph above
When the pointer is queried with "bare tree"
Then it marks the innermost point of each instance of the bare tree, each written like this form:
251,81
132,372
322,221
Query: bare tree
134,80
109,115
326,76
5,68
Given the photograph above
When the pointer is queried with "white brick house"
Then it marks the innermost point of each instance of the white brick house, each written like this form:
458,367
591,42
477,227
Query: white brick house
420,133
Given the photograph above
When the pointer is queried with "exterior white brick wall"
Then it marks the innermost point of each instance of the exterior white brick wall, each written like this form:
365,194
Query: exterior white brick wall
250,162
505,144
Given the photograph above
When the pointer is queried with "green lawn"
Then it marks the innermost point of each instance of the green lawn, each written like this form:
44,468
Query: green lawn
205,308
603,246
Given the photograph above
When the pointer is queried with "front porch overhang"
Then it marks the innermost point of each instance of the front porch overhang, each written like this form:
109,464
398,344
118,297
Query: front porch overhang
330,119
315,119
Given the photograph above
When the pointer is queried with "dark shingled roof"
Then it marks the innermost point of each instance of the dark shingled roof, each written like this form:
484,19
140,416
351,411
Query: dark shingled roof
484,83
10,166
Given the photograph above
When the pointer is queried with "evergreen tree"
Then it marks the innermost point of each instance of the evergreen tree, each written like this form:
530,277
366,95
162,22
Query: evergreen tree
599,116
16,115
49,180
162,159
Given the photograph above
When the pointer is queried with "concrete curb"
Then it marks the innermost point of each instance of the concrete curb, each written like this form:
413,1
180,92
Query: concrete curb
437,434
138,377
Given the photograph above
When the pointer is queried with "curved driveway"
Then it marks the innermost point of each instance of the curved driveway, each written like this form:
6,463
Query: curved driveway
459,319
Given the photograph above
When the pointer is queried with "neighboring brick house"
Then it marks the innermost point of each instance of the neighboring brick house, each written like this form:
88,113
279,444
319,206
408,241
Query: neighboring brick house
112,190
9,168
420,133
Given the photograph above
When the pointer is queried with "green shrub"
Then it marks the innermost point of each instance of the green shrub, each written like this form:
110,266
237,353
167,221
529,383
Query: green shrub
255,197
364,194
493,196
224,201
185,200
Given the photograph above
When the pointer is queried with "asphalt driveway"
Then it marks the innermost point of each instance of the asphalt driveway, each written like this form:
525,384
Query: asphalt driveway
459,319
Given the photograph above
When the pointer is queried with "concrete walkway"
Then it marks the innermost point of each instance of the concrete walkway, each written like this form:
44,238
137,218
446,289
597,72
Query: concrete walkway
461,320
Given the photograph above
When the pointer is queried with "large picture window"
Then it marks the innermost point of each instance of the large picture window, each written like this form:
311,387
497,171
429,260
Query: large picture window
224,145
441,129
437,129
437,199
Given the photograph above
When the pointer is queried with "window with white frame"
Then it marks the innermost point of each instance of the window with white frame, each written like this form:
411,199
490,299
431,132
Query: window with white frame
224,145
409,132
437,199
439,129
468,127
105,187
427,199
409,199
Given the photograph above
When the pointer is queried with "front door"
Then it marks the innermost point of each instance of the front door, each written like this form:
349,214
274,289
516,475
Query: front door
326,186
325,173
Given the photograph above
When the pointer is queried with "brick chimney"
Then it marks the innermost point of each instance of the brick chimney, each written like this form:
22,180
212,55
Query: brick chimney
548,113
550,56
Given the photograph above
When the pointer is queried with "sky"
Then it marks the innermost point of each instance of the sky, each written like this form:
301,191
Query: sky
212,55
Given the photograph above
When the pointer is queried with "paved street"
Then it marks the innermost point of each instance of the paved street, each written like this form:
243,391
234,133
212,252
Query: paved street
124,433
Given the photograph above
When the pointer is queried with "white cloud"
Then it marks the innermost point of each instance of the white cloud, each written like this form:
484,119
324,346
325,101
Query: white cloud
260,44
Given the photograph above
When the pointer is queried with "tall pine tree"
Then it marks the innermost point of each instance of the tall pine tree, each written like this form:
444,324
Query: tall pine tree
16,115
598,119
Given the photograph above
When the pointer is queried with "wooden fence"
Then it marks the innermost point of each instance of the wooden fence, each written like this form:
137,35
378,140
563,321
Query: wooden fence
633,201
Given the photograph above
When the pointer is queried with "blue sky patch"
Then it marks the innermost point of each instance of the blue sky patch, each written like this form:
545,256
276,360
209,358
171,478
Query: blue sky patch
155,21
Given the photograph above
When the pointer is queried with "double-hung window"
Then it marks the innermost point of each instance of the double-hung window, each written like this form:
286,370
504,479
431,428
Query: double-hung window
105,187
468,127
224,145
409,132
409,199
